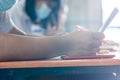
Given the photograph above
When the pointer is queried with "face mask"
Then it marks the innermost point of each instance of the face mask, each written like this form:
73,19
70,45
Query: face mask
43,12
6,4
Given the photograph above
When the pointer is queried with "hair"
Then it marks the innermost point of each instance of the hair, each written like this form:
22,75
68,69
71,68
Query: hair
52,19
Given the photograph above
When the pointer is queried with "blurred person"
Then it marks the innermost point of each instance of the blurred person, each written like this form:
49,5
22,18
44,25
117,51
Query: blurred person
16,45
39,16
46,13
31,47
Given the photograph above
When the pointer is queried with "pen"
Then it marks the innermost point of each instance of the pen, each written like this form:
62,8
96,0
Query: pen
106,24
109,20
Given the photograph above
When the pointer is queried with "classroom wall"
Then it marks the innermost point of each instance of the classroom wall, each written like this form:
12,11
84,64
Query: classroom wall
86,13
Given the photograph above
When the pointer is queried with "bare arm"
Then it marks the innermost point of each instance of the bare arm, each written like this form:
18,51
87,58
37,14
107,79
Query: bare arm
16,47
13,47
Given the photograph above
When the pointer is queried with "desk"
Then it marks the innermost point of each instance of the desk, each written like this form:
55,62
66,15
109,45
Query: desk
60,63
22,70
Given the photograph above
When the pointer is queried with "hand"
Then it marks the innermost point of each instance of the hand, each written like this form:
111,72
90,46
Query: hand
51,31
84,42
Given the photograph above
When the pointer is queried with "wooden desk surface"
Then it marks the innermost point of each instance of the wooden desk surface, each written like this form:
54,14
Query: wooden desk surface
59,63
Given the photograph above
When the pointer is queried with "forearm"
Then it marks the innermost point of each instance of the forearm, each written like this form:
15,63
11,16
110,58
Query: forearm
13,47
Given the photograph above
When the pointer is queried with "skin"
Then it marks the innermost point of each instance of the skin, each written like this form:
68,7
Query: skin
51,31
16,47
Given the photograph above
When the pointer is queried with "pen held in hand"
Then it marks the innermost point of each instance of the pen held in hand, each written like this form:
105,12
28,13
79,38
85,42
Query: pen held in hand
109,20
106,24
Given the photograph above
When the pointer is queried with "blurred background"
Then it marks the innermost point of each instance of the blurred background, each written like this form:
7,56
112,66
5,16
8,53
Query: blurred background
87,13
90,14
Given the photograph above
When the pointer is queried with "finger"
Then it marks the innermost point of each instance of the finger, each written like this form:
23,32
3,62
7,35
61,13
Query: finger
80,28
